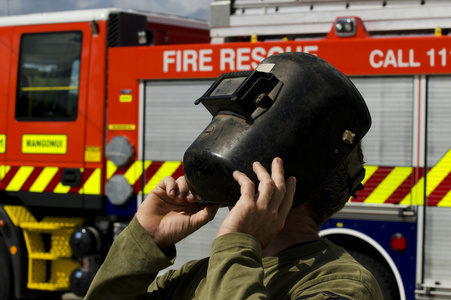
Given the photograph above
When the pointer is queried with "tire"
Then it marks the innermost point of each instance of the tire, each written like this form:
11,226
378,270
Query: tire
384,276
6,281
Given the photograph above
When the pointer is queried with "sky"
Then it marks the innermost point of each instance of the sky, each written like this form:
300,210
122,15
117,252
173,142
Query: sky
198,9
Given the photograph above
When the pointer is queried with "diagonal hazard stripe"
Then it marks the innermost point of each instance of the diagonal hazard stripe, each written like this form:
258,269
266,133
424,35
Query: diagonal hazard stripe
10,172
438,195
404,189
31,178
110,169
139,182
43,179
373,182
434,178
19,179
92,185
134,172
389,184
53,183
167,169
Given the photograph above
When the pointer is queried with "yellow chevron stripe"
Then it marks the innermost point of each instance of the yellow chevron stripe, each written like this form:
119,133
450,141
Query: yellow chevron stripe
434,177
369,171
446,201
19,179
389,185
3,171
110,169
167,169
133,173
61,189
438,173
43,179
92,185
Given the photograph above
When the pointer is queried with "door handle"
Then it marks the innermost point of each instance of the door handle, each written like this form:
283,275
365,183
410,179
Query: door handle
71,177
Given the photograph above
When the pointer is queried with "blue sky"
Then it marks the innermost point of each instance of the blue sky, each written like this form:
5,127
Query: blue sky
191,8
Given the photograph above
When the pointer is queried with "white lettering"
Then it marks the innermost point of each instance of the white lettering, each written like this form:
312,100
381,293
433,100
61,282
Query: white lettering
412,61
189,58
380,59
204,58
390,59
373,62
258,54
242,55
168,58
227,56
401,64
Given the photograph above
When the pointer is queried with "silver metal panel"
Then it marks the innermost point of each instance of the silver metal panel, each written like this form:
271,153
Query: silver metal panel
172,121
437,262
439,118
390,101
437,237
298,17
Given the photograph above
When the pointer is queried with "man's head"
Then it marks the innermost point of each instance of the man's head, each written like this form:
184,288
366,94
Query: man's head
334,194
295,106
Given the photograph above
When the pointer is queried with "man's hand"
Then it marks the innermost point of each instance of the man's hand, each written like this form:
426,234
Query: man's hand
170,213
261,214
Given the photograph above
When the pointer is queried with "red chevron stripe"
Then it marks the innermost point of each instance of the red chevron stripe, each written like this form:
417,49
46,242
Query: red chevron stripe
440,191
84,177
148,174
406,186
54,182
372,183
31,179
8,177
178,172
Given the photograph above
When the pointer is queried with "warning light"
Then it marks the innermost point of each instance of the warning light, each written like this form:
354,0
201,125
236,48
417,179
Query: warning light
345,27
398,242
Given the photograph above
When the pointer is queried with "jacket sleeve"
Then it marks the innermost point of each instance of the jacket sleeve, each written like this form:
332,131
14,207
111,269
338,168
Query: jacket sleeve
132,263
235,270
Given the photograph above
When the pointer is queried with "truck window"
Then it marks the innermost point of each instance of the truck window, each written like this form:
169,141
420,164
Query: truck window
48,76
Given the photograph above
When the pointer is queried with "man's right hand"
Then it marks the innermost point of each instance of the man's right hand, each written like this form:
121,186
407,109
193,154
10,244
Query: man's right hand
169,213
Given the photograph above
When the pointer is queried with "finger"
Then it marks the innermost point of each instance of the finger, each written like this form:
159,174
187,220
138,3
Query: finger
277,172
287,201
183,188
169,186
247,186
278,176
265,186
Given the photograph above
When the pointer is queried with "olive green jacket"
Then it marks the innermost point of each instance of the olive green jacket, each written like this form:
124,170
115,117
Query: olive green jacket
234,270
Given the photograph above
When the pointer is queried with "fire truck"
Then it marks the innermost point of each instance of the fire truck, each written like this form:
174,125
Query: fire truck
98,106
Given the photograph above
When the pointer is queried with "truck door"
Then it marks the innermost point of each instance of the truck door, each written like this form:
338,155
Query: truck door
172,123
437,263
46,114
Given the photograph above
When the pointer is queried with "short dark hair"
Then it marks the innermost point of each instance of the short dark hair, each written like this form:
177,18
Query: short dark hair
334,194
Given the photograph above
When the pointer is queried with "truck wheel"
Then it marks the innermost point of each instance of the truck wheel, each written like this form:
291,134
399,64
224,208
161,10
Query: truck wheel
6,289
384,277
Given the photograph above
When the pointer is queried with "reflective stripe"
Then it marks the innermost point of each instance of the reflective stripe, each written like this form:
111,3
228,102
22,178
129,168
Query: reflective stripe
19,179
48,179
388,186
92,184
134,172
167,169
43,179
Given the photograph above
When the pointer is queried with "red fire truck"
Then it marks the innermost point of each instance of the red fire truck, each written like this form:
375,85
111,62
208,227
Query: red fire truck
98,106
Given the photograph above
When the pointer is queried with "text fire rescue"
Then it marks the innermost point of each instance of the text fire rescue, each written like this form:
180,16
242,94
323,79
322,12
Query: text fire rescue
247,58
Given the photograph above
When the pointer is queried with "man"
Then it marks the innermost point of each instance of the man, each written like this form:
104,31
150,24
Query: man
268,246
